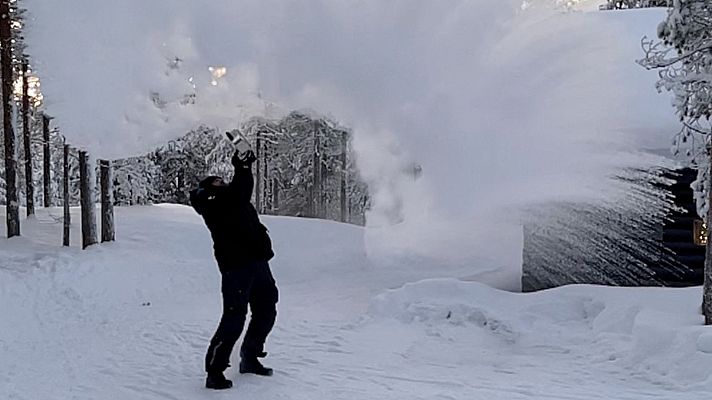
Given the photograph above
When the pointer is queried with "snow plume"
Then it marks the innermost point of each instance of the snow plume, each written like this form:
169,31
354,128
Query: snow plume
465,111
545,108
607,241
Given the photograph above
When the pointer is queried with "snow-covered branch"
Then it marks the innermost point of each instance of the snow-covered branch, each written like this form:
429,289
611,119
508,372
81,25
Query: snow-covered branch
655,54
683,56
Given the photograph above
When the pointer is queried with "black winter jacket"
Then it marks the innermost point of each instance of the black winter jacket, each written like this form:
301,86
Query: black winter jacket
238,235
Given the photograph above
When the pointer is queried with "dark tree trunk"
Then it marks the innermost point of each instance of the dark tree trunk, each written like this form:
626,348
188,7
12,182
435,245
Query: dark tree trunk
350,211
275,196
29,178
266,183
65,196
258,174
86,189
107,203
316,179
707,284
46,162
180,186
344,171
13,209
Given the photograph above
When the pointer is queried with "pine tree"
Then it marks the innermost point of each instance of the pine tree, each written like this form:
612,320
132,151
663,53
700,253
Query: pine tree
180,170
8,79
23,102
288,183
625,4
134,180
27,138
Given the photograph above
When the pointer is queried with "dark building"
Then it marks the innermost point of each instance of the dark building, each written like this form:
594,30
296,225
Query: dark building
684,233
594,244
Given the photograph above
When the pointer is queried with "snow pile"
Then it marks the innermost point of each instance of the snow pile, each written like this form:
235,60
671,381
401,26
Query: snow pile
132,319
653,334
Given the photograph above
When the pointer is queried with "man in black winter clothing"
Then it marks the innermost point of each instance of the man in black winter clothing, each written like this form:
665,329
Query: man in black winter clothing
242,250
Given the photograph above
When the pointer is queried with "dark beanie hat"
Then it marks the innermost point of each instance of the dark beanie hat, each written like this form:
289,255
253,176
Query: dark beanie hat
205,183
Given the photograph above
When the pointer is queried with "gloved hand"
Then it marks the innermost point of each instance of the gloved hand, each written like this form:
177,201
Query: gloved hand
243,160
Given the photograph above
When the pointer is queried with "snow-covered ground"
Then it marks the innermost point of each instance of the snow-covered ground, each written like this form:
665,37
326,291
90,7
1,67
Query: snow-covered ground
132,319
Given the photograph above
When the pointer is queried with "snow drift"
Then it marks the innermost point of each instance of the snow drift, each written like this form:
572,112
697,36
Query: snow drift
132,319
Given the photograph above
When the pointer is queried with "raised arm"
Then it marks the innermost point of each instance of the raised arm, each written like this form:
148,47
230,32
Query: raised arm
242,182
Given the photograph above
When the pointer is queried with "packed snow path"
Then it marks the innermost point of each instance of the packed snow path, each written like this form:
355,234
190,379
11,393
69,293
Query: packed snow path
131,320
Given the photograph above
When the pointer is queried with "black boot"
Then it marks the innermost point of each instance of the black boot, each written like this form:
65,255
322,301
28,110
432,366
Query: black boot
217,381
249,364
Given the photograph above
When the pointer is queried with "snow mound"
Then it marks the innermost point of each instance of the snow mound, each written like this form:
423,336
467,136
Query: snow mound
132,320
445,301
652,333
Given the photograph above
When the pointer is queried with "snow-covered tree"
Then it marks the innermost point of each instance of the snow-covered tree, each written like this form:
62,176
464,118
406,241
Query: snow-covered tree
293,167
684,57
56,142
133,181
307,165
11,44
300,170
180,170
624,4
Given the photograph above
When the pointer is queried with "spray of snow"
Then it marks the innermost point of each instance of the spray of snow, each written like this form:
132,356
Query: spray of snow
502,104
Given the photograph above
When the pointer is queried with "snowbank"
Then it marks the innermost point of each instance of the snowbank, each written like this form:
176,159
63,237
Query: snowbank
131,320
653,334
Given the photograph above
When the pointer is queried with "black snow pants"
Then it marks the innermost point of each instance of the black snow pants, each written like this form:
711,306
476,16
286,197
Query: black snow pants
250,284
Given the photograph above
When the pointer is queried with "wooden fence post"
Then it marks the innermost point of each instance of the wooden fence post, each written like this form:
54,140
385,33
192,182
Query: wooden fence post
86,189
65,195
107,202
